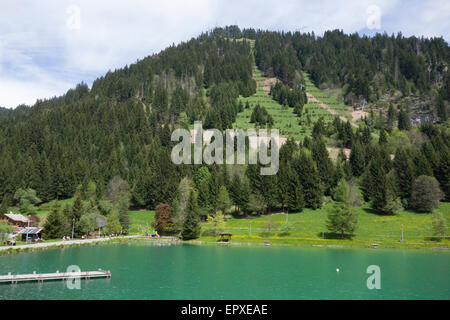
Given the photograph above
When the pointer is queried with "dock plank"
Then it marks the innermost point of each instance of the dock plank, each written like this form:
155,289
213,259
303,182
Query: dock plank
40,277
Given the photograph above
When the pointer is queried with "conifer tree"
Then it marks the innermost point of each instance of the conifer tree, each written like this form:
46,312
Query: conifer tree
191,226
124,217
391,117
56,225
379,189
403,120
309,177
342,220
325,166
113,223
404,174
77,208
223,199
443,174
342,192
294,191
357,159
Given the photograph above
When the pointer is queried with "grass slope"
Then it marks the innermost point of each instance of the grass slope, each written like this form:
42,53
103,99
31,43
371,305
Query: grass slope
307,228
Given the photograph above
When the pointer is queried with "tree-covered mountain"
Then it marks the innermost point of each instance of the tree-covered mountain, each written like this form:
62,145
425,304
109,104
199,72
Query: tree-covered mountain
366,67
122,125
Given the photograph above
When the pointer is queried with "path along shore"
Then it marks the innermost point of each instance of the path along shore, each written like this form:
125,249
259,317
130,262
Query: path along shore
65,242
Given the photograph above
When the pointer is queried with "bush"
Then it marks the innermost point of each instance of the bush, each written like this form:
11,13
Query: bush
162,218
425,194
285,230
439,225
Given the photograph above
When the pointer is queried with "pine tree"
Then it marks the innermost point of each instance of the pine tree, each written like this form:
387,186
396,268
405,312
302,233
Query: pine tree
191,225
404,174
342,220
56,224
443,174
403,120
244,197
342,192
235,190
201,183
124,217
421,165
325,166
112,223
223,199
294,191
391,117
379,189
77,208
309,177
357,159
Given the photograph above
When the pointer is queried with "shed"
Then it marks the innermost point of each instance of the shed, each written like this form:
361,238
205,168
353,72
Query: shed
33,233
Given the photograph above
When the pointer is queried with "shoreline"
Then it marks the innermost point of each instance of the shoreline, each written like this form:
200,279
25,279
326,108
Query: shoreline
406,246
5,250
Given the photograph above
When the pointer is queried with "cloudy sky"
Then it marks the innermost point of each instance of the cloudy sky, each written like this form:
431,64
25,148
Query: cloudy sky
47,47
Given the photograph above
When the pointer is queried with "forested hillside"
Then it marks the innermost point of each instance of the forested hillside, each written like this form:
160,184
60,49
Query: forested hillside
365,67
121,127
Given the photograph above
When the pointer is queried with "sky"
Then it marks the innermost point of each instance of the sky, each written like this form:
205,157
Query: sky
47,46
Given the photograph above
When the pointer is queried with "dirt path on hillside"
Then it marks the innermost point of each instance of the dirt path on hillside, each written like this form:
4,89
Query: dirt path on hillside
313,99
358,115
267,84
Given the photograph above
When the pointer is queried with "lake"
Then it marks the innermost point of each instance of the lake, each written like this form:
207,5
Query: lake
142,271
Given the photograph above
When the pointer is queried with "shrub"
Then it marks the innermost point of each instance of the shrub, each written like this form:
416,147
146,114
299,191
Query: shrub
162,218
425,194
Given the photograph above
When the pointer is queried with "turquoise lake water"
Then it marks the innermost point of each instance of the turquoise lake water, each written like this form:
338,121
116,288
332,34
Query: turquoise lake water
226,272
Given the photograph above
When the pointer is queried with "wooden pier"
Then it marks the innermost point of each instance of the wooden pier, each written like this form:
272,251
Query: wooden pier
41,277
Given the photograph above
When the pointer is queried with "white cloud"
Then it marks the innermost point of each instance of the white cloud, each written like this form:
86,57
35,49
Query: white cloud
42,55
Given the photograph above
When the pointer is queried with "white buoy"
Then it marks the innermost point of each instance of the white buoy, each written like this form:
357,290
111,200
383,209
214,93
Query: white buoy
337,270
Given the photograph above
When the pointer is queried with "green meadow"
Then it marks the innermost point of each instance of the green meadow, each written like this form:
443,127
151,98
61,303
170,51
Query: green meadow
309,228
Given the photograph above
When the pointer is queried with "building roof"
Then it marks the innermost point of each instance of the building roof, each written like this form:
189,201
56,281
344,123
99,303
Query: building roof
16,217
30,230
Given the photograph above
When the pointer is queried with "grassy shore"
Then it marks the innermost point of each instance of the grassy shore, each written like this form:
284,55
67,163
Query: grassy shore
308,228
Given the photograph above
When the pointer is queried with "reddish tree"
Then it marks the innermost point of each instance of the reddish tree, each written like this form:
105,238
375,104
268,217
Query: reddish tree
162,218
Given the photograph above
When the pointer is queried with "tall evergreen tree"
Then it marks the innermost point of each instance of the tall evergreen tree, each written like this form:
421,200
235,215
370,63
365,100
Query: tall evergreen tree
191,226
404,174
404,122
325,166
309,177
357,159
